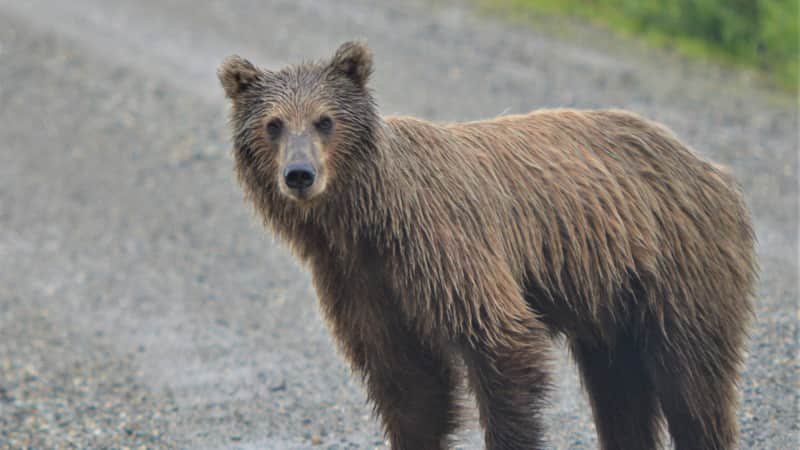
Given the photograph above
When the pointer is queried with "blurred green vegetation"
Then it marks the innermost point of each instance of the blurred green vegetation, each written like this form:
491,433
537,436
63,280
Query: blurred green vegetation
758,33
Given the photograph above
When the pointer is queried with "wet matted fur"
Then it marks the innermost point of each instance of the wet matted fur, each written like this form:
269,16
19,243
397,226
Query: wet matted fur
484,240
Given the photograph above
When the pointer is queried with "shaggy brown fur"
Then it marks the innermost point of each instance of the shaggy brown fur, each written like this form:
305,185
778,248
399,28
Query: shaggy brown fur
484,240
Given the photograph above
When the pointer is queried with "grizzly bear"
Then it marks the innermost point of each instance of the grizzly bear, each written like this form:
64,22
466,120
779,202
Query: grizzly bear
440,250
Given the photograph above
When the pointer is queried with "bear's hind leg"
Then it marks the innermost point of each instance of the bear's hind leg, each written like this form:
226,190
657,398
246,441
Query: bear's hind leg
623,400
696,382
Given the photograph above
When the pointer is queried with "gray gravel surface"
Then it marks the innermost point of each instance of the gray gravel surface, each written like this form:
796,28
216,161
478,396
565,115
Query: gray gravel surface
142,304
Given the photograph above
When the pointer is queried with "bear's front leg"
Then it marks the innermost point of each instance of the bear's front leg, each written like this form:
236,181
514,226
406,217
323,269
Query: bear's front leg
410,383
412,388
509,374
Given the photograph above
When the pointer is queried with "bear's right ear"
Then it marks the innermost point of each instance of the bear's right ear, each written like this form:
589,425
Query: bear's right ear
236,75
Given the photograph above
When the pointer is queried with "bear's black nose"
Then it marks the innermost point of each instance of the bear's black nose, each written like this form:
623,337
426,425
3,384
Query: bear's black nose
299,175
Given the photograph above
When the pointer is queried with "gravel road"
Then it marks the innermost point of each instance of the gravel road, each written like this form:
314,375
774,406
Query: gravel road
142,304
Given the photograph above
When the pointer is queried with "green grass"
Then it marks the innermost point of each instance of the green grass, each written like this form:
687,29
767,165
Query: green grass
755,33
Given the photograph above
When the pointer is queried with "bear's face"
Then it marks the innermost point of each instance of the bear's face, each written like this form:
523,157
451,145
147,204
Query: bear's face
298,131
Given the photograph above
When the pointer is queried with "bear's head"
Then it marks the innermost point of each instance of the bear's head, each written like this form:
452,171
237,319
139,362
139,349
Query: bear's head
300,132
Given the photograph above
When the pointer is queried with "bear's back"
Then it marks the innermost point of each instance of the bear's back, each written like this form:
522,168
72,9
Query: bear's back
593,196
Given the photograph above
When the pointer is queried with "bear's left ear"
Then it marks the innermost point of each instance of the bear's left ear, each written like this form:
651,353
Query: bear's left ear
237,75
354,61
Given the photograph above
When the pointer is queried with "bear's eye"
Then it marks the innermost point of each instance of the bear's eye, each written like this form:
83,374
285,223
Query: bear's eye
324,124
274,128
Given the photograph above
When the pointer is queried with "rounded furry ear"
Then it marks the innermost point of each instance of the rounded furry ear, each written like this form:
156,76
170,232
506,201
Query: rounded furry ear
236,75
354,61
